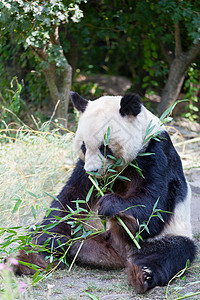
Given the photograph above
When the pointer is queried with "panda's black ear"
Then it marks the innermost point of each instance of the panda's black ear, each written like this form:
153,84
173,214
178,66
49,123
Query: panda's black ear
130,105
79,102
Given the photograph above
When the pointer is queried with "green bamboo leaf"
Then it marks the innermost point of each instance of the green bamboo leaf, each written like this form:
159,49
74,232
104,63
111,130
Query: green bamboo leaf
146,228
55,198
148,138
123,178
70,209
33,211
160,217
93,297
48,212
31,266
157,139
17,205
170,109
77,229
89,194
86,234
111,157
111,170
50,226
48,267
145,154
94,174
149,129
107,137
155,204
32,194
167,120
135,165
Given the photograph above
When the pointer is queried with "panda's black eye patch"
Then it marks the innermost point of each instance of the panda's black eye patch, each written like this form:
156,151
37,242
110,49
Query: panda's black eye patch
83,148
105,150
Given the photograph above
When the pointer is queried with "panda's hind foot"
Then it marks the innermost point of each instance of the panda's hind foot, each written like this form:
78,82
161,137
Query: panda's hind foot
139,277
148,275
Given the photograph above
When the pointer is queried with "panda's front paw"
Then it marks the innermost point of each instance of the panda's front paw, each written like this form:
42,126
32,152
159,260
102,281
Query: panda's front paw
110,205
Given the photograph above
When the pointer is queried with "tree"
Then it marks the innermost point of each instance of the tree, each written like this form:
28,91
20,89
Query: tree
35,24
153,42
186,22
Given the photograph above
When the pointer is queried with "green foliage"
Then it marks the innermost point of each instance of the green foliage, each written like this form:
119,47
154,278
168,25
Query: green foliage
125,38
86,89
91,296
191,88
11,102
114,37
33,24
27,43
34,21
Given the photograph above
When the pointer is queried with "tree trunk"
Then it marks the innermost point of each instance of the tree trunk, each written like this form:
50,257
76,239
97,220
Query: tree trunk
173,85
59,83
179,63
58,78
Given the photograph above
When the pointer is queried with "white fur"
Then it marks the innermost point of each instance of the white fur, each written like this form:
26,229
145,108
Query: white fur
126,137
126,140
180,221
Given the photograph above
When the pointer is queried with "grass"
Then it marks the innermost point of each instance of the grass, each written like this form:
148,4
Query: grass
36,162
32,163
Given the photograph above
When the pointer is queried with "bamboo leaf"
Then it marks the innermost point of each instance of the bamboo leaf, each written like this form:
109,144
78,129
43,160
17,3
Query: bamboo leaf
33,211
146,228
123,178
55,198
107,137
89,194
160,217
145,154
17,205
155,204
93,297
170,109
32,194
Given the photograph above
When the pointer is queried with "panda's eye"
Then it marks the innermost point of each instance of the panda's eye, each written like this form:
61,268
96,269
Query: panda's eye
105,150
83,148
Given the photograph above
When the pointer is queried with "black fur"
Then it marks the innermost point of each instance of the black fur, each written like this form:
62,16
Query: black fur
158,261
76,187
79,102
83,148
130,105
163,180
105,150
162,259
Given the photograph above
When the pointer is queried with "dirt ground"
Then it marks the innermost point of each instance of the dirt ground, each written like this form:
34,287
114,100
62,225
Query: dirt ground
110,285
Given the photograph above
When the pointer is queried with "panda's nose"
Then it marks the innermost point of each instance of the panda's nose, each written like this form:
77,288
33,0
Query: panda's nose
93,163
91,170
95,171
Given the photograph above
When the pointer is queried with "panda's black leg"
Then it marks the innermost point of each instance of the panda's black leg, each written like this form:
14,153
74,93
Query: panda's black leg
159,261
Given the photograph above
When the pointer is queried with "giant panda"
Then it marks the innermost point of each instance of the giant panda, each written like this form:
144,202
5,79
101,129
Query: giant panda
167,245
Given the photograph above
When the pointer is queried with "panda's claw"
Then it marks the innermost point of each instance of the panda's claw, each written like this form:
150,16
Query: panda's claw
147,270
147,274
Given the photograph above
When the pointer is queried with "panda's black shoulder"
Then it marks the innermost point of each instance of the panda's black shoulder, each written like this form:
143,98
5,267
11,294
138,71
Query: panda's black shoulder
164,163
163,152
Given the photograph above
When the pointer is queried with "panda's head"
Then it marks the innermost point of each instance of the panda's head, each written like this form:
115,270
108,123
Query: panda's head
126,119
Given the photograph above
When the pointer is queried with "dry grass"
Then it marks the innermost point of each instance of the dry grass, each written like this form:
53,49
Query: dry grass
32,163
